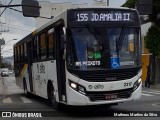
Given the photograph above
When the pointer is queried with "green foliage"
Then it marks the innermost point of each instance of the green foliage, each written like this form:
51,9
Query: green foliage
130,3
156,11
152,40
153,16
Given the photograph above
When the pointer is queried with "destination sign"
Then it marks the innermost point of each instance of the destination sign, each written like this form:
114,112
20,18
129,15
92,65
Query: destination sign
103,17
108,16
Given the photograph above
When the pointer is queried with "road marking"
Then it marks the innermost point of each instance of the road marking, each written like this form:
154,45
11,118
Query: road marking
154,91
156,105
147,94
26,100
7,100
151,92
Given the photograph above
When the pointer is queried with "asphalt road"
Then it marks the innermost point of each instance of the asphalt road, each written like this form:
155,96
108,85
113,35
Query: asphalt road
12,99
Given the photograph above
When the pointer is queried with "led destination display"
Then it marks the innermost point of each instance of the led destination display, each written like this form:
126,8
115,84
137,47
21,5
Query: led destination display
102,15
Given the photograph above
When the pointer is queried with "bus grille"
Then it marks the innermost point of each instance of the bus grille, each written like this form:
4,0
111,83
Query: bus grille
106,75
121,94
111,76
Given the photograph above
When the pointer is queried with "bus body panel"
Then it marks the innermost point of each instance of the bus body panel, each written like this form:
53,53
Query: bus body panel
108,86
42,73
77,99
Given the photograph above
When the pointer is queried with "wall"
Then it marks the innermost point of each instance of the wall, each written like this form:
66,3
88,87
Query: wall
49,10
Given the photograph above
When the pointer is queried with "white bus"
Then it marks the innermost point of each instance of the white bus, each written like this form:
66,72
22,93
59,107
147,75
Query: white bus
84,56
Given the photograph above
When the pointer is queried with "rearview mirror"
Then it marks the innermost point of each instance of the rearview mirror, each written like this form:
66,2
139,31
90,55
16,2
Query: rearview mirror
30,8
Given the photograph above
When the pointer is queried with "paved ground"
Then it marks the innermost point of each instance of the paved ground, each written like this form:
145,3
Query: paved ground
2,88
156,86
13,99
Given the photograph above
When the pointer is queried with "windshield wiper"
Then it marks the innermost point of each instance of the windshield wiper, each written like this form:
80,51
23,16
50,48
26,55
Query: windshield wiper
91,30
95,33
119,41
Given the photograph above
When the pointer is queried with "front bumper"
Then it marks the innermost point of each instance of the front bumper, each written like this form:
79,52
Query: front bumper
77,99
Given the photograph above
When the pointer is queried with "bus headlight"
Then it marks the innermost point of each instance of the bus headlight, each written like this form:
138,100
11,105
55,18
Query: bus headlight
73,85
136,84
77,87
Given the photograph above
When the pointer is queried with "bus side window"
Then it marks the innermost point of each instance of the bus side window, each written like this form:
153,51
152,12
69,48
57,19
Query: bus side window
18,53
43,49
22,53
25,52
51,43
35,56
15,54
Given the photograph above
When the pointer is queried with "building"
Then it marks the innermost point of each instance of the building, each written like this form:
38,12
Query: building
100,2
50,10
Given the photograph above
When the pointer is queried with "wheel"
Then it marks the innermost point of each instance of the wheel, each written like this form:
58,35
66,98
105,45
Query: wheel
52,98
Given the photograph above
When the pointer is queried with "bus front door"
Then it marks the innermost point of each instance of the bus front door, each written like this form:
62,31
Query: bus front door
29,54
61,77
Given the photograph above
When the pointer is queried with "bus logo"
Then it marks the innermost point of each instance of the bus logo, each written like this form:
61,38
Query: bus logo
98,86
90,87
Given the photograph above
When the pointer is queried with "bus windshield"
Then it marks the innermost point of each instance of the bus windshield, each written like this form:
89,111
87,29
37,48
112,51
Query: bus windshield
103,48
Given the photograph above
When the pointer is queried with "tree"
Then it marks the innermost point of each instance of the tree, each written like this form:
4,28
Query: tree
129,3
155,13
152,40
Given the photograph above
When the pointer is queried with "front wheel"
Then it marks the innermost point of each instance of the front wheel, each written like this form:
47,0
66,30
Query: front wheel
52,98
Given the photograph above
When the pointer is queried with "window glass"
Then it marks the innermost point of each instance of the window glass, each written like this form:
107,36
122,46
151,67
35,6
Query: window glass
22,52
25,51
51,43
18,53
43,46
50,46
103,48
15,54
35,55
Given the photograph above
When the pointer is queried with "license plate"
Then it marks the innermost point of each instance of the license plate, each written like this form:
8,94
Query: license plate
110,96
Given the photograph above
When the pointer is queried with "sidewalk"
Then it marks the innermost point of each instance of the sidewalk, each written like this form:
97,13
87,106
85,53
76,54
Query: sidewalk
1,85
2,88
155,86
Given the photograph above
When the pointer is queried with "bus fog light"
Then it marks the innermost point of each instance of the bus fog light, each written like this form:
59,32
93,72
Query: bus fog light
81,90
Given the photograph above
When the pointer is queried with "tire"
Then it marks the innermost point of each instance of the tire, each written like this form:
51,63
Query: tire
52,98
